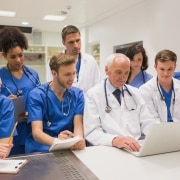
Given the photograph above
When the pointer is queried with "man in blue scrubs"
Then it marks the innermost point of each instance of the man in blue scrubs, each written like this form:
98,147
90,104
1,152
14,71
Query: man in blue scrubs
56,108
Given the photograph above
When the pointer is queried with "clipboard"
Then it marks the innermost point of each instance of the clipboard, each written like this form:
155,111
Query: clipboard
12,166
65,144
19,108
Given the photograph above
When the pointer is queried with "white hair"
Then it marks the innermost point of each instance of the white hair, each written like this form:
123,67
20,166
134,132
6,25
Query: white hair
110,59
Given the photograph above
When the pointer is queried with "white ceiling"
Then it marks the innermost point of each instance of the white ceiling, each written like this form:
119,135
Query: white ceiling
82,12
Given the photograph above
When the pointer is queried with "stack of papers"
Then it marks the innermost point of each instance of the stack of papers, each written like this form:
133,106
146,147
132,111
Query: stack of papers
65,144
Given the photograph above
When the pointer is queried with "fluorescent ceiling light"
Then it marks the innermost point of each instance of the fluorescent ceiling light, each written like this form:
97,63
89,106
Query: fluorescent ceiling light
7,13
55,18
25,23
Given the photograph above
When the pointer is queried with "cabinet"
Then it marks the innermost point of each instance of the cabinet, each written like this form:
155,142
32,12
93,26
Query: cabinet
51,50
95,51
35,55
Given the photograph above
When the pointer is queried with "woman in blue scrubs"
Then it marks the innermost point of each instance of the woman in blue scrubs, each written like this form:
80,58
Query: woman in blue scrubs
139,63
17,79
56,108
6,125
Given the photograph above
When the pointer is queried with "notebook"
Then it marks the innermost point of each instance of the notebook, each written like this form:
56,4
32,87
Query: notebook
19,108
162,138
65,144
11,166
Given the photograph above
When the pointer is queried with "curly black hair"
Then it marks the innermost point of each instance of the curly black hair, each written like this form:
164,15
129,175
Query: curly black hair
11,37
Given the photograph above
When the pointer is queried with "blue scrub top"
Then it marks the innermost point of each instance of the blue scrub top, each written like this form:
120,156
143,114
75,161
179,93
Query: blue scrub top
28,81
59,114
177,75
168,97
6,116
141,78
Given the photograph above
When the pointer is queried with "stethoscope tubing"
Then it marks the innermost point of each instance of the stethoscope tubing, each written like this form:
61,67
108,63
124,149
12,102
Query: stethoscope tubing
108,107
25,70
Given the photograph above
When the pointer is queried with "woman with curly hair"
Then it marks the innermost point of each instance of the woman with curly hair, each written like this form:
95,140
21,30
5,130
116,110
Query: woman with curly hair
17,79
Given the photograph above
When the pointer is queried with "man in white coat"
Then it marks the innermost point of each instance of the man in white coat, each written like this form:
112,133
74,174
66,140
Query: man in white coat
162,93
112,122
87,70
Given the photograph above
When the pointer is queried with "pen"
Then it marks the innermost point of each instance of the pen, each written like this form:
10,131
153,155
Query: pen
14,128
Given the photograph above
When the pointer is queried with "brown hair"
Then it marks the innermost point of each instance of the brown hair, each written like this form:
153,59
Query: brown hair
61,59
165,55
135,49
69,30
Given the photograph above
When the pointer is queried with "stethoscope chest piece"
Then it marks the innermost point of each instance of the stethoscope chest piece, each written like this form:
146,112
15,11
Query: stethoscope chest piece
48,123
19,92
108,109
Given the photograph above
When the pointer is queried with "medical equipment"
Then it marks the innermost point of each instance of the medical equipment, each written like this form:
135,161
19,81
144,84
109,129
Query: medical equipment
62,108
29,75
162,97
170,115
129,101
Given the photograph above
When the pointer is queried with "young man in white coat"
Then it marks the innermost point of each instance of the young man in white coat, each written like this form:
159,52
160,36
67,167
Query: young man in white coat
87,70
162,93
112,122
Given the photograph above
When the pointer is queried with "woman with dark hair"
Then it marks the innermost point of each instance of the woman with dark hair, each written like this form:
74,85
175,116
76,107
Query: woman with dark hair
139,63
17,79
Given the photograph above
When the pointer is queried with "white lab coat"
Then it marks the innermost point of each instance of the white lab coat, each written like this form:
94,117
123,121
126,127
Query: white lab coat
100,127
156,106
89,73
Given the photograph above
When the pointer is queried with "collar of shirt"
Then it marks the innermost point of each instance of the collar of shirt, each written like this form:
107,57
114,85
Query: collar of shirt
110,86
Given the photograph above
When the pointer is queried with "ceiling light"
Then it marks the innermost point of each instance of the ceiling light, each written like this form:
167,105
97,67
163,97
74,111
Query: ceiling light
7,13
55,18
25,23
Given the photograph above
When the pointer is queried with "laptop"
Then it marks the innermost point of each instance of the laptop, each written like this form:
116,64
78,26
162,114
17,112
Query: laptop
19,108
162,138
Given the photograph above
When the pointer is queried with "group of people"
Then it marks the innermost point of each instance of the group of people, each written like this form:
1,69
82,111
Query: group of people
77,101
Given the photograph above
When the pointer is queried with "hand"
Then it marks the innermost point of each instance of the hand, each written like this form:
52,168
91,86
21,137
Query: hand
79,145
12,96
23,117
5,150
65,135
128,143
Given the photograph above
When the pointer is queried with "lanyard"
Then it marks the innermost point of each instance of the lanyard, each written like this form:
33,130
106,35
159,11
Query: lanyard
78,65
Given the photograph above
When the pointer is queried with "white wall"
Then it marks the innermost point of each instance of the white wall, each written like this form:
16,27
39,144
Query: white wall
156,22
51,39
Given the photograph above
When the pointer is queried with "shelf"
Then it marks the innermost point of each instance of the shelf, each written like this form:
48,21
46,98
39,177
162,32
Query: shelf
35,49
95,51
36,57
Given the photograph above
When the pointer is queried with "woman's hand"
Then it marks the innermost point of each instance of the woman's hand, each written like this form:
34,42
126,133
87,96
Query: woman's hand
5,150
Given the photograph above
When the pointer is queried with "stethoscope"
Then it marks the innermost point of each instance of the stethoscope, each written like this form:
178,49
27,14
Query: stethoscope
62,108
143,76
28,74
132,105
162,97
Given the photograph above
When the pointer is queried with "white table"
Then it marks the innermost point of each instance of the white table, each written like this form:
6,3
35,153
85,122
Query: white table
109,163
